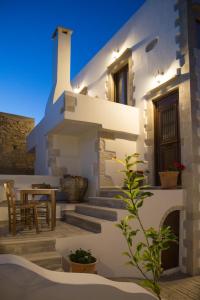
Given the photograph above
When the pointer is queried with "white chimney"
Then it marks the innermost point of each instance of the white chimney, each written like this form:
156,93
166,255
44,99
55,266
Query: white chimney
61,64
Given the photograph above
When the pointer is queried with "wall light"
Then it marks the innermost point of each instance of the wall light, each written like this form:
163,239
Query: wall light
76,89
159,76
115,53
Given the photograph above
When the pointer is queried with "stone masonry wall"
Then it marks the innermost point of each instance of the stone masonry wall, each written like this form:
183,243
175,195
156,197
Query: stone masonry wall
14,158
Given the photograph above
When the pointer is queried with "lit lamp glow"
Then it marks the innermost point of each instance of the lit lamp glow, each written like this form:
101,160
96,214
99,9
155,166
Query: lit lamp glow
76,89
115,53
159,76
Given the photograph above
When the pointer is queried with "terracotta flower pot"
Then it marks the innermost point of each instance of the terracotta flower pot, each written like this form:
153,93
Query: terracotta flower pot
168,179
82,268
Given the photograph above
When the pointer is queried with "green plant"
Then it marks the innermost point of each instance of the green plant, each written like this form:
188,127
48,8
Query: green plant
82,256
144,255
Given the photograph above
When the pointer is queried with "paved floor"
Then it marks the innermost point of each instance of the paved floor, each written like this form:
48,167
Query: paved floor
182,289
62,230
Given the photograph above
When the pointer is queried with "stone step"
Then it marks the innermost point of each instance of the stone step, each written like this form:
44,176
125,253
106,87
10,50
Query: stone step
97,212
20,247
110,193
107,202
48,260
85,222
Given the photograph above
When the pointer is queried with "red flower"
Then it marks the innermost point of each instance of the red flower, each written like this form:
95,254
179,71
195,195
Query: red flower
179,166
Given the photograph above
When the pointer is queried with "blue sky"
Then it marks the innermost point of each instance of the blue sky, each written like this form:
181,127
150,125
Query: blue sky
26,45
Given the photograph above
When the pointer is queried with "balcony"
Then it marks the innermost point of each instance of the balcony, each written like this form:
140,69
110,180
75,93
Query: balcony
110,116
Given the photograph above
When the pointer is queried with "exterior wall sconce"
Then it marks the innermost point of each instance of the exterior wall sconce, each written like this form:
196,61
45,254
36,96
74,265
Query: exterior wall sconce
159,76
76,89
115,53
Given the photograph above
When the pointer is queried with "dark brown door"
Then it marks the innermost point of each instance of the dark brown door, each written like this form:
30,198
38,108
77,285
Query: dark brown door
170,257
167,137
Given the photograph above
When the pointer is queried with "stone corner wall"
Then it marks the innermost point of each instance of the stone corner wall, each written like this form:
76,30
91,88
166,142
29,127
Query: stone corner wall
14,158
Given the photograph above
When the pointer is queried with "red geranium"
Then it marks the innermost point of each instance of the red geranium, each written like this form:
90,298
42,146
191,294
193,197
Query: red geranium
179,166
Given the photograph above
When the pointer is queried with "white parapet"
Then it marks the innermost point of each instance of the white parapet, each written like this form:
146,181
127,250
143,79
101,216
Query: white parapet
109,115
66,285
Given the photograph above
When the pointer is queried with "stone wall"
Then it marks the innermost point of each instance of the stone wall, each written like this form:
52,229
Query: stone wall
14,158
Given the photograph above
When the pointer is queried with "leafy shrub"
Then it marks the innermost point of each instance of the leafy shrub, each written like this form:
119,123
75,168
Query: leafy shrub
144,255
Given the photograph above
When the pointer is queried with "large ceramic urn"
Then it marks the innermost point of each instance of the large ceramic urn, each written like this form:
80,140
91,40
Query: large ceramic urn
74,188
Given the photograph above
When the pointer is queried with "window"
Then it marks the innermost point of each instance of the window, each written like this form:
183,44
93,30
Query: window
151,45
120,76
197,34
121,85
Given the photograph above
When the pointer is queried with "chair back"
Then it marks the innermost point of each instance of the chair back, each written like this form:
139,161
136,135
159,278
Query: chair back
10,195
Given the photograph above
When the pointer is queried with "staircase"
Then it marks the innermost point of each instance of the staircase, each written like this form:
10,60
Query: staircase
40,252
91,215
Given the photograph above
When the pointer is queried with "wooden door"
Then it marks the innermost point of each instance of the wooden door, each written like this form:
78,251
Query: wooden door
170,257
167,137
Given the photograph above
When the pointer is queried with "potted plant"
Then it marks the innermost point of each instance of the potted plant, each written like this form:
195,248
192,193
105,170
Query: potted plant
169,178
82,261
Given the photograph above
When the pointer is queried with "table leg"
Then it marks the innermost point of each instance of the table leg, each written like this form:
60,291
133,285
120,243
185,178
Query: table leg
53,210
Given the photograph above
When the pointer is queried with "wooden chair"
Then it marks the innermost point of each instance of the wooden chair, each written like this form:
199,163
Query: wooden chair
18,212
42,205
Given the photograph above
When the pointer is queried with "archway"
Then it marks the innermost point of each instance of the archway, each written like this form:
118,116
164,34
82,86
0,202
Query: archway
170,257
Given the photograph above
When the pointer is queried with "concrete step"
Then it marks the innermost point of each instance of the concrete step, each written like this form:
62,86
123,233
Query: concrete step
20,247
48,260
85,222
97,212
107,202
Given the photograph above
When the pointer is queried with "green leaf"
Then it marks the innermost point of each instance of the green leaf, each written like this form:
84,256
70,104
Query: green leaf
119,197
139,203
126,254
148,284
119,161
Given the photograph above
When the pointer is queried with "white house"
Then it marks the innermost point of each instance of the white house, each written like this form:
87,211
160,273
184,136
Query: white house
140,93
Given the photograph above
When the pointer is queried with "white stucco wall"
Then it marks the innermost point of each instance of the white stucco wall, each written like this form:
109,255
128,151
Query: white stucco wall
154,19
140,29
79,155
89,160
69,148
121,147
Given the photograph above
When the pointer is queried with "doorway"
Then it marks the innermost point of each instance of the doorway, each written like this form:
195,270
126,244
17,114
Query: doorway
167,135
170,257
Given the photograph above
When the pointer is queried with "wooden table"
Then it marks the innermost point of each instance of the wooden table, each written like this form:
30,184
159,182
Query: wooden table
42,192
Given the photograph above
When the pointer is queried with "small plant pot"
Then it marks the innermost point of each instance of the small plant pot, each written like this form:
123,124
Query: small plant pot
168,179
82,268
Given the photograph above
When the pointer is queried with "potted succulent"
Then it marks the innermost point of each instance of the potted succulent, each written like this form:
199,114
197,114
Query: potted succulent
82,261
169,178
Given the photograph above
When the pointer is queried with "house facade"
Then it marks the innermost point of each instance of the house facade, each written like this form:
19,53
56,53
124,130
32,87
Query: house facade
140,93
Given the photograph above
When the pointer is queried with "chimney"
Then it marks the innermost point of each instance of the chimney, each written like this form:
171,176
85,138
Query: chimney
61,63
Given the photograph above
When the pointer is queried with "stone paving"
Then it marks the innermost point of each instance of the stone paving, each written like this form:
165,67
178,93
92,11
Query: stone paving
62,230
182,288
